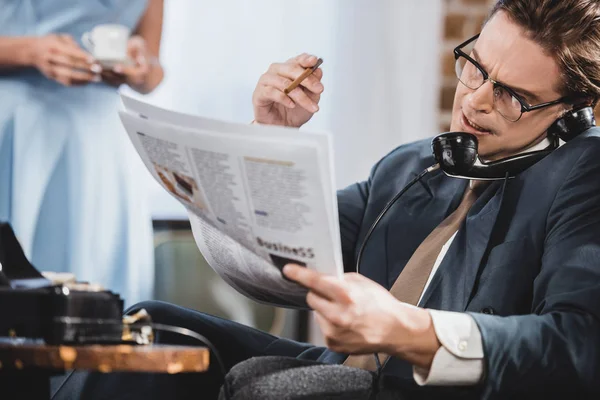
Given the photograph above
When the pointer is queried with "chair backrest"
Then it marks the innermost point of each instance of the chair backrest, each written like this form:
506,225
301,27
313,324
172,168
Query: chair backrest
184,277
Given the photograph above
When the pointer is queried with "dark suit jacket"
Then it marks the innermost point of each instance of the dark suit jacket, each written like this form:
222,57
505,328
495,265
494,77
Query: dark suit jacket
525,264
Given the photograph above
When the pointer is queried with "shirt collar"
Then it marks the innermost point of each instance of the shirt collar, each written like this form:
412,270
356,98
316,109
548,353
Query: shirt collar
540,146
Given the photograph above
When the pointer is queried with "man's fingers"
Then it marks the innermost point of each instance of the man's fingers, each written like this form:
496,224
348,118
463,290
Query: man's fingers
329,311
331,288
305,98
314,97
318,74
288,70
306,60
280,76
292,71
272,94
277,81
318,303
331,315
296,58
300,97
325,286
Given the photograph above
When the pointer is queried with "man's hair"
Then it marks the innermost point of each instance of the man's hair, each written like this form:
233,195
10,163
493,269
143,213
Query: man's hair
568,31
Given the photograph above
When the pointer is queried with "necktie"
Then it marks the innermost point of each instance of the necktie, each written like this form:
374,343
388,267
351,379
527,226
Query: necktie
410,283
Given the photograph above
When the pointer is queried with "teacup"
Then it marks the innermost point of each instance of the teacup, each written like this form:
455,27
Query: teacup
107,43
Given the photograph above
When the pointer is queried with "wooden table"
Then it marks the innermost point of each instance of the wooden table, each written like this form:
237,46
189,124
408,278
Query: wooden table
26,368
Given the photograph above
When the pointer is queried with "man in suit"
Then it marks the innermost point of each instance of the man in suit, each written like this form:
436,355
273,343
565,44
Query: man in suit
509,305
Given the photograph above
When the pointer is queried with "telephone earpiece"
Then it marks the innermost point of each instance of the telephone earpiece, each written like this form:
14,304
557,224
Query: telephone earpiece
573,123
456,152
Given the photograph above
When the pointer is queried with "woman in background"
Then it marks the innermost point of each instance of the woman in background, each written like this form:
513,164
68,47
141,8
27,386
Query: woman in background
69,177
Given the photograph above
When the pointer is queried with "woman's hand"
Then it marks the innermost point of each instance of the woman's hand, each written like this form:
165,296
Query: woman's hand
136,74
272,106
60,58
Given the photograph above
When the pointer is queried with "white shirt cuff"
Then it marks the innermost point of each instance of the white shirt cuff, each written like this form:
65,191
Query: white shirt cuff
460,359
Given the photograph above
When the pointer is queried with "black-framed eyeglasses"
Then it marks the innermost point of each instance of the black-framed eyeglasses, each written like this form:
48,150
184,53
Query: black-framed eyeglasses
507,102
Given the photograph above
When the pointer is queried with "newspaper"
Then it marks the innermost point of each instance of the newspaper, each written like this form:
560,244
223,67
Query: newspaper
258,197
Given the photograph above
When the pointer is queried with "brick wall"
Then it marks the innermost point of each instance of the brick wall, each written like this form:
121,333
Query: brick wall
463,19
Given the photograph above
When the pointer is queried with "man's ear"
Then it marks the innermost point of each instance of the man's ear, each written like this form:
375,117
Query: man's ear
573,120
563,110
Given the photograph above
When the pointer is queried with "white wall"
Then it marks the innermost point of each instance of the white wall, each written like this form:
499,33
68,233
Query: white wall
380,72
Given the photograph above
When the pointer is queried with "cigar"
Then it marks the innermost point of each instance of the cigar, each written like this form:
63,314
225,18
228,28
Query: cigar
302,77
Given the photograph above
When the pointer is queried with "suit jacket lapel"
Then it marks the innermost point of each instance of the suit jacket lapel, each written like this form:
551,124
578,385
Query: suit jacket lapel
459,268
428,202
478,229
435,198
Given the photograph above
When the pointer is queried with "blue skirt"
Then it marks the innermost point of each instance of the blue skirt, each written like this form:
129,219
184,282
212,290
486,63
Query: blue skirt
71,184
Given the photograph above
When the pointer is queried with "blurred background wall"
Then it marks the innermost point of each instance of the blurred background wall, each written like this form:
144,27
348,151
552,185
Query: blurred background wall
382,70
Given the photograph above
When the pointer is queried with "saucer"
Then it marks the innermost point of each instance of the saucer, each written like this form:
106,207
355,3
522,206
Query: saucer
109,63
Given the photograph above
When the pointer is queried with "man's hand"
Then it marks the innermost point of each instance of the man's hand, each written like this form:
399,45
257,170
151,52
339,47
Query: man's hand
58,57
272,106
136,74
359,316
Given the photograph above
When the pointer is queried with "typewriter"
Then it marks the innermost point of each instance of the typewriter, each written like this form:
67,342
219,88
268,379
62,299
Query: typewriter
33,307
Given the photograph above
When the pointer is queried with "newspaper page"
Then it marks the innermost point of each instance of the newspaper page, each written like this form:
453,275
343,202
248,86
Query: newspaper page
258,197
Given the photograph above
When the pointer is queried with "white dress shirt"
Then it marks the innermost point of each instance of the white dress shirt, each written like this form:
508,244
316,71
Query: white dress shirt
460,359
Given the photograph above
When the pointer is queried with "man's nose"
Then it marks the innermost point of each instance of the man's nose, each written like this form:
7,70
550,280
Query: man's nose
482,99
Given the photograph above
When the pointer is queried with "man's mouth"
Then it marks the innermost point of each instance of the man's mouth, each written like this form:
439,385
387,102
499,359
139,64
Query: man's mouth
472,127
